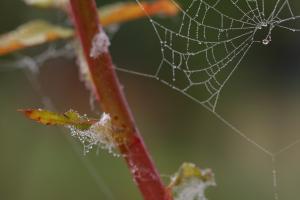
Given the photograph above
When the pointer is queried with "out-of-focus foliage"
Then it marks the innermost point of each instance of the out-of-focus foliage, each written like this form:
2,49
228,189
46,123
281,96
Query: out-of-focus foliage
30,34
47,3
39,32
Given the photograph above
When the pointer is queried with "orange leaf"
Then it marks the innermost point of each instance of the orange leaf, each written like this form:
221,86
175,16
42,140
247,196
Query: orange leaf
123,12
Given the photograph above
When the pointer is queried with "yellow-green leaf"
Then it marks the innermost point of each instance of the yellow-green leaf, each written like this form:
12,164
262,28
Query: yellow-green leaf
70,118
190,182
32,33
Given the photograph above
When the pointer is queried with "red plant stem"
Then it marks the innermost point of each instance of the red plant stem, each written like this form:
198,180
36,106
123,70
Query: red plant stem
112,101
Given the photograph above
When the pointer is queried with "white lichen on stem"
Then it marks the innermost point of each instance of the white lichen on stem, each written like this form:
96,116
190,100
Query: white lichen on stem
100,44
99,134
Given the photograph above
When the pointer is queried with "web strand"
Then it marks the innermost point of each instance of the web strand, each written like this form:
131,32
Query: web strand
235,45
209,63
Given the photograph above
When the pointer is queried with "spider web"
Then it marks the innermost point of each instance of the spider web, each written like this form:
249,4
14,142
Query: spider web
212,39
200,56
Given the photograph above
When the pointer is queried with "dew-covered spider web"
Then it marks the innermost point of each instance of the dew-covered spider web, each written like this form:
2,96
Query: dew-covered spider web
213,37
202,52
209,43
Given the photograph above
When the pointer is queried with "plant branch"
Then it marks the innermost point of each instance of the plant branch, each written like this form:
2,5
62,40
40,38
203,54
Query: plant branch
112,101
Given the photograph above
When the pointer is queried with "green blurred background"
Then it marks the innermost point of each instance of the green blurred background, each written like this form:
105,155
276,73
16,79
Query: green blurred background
261,99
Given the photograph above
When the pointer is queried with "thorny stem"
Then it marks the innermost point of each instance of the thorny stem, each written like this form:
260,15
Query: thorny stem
112,100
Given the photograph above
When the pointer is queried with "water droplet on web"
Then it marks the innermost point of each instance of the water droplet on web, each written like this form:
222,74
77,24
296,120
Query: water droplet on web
99,134
266,42
264,24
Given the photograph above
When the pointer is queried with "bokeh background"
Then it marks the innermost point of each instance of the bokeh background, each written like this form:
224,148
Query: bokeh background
261,99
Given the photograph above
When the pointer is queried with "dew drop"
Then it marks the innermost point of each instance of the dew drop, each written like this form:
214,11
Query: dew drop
264,24
266,42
